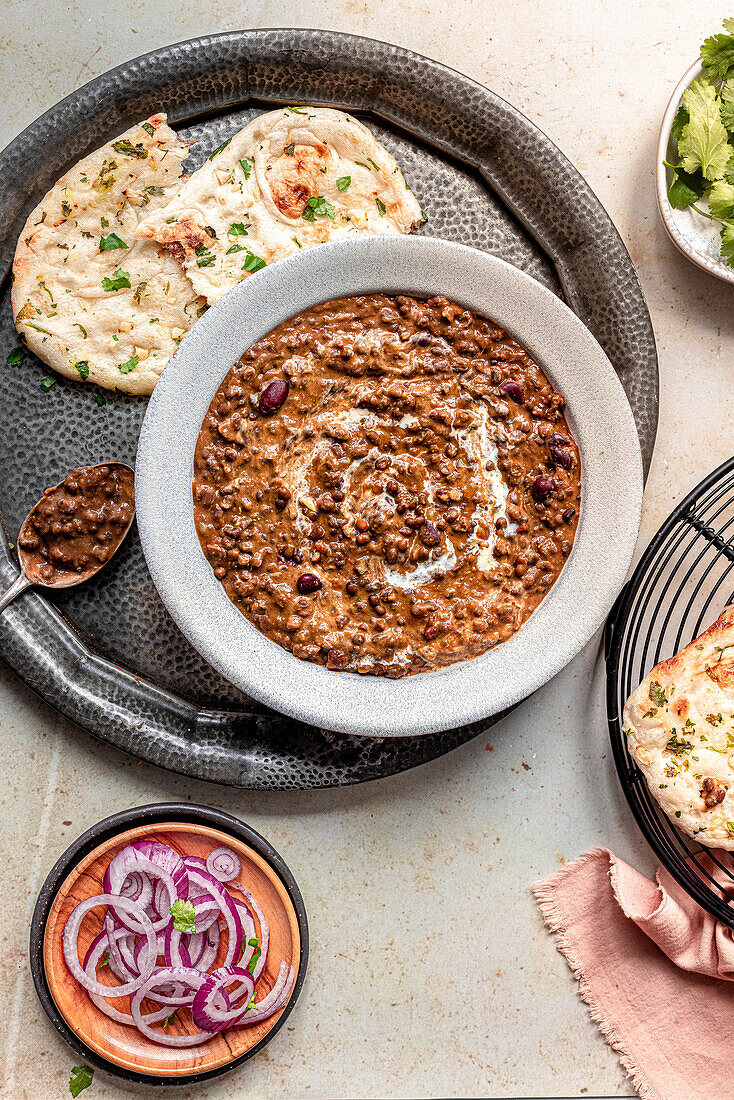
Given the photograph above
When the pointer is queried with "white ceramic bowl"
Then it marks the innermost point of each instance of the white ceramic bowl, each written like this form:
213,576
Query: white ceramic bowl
575,607
696,237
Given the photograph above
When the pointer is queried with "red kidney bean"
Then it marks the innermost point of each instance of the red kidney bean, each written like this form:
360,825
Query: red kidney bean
513,389
273,397
429,535
308,583
541,488
562,456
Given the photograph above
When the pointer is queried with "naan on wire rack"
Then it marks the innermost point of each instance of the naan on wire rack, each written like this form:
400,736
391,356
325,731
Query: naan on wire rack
92,300
680,732
292,178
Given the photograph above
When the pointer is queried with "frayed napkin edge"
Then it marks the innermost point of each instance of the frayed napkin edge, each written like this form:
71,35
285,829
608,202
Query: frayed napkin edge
544,892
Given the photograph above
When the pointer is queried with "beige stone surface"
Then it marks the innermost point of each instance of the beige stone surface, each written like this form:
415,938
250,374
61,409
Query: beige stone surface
430,972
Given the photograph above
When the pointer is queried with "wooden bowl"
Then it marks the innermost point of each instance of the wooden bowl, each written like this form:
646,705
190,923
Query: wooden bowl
120,1049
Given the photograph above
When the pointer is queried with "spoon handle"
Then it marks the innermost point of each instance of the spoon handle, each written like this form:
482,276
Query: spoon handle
19,585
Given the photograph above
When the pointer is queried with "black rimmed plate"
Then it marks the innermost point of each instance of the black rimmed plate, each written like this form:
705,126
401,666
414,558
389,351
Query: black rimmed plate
107,655
119,1049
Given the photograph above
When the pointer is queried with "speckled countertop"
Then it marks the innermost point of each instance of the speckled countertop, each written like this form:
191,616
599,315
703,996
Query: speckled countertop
430,972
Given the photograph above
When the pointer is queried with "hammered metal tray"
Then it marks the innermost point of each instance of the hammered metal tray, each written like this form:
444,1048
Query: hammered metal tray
107,655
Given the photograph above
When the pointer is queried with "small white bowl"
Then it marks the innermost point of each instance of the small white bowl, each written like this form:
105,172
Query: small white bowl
695,236
575,607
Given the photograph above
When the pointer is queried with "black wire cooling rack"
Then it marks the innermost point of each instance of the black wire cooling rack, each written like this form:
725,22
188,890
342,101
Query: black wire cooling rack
681,585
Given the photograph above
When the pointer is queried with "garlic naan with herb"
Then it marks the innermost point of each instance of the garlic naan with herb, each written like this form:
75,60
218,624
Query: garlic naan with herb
680,732
92,299
292,178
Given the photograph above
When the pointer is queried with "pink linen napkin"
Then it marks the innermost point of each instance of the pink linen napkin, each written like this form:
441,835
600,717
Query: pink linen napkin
648,960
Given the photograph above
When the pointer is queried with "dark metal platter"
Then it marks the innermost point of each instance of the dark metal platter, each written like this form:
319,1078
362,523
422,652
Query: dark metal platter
107,655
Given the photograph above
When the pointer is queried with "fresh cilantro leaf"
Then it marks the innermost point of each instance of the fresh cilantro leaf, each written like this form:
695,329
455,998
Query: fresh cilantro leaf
81,1078
295,110
685,188
106,244
657,694
254,942
721,200
119,281
680,120
104,223
704,143
42,284
148,128
250,1004
83,367
204,258
105,960
317,204
183,914
717,54
343,182
380,206
727,104
220,148
130,364
138,151
246,166
15,358
168,1019
235,248
47,383
677,745
727,243
139,292
253,262
100,399
237,229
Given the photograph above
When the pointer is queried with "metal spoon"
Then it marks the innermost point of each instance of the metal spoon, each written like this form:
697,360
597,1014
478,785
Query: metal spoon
30,576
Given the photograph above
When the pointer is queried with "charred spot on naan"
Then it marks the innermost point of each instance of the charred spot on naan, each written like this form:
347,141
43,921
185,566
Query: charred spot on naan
722,671
680,707
183,238
294,177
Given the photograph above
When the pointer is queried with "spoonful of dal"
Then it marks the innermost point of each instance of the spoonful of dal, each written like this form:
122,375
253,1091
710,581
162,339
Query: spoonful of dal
75,528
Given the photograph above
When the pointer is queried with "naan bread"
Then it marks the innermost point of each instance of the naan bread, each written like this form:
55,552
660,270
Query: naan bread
292,178
680,731
118,338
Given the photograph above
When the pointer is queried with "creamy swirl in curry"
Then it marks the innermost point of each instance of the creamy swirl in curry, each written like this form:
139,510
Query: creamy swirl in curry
386,485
